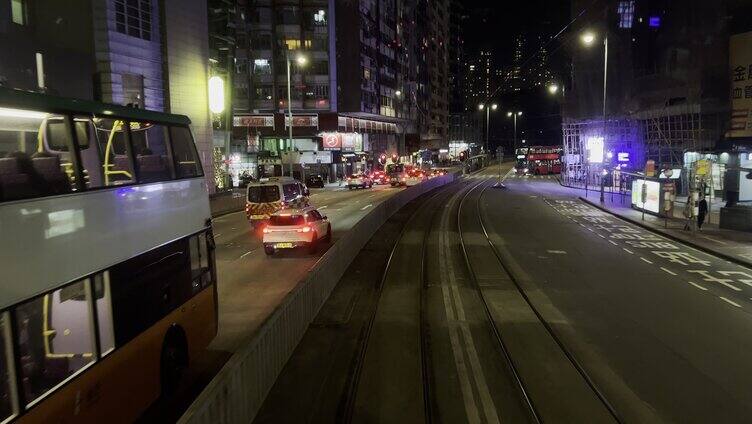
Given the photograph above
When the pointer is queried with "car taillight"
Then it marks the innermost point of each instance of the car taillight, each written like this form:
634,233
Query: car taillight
266,230
305,229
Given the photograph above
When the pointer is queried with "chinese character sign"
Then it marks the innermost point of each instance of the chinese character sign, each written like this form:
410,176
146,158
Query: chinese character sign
741,85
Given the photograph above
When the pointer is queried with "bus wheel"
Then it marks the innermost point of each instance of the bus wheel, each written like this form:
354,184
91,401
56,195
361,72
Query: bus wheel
174,360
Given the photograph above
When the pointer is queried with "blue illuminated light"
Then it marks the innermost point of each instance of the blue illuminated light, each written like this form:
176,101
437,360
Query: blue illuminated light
654,21
622,157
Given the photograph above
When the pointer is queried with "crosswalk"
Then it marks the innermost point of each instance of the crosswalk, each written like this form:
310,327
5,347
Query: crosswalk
532,177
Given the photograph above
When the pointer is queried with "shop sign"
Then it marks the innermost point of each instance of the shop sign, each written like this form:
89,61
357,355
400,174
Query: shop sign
332,141
302,121
253,121
740,61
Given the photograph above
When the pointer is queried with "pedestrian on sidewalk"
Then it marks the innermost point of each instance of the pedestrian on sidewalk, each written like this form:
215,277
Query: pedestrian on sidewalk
688,215
702,210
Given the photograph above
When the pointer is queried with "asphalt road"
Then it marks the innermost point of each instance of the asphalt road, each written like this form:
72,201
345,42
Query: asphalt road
663,329
251,285
601,321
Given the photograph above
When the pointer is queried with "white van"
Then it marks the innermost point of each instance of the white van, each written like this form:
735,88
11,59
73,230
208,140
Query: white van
269,195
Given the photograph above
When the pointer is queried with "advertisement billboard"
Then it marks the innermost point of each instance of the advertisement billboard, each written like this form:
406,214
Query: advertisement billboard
652,200
740,58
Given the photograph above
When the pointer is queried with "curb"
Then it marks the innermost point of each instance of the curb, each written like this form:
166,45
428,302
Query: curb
693,244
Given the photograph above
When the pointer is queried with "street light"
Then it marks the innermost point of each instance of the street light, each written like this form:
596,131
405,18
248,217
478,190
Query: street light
398,93
488,123
301,61
514,115
553,89
588,38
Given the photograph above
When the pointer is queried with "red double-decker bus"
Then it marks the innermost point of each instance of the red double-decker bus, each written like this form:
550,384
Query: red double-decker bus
543,160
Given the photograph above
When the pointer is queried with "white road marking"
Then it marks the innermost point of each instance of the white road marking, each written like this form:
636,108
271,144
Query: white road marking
731,302
557,252
591,230
698,286
712,239
613,242
628,251
669,271
601,236
646,260
217,235
323,207
246,254
366,207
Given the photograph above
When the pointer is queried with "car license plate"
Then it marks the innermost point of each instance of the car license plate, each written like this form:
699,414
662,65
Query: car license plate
283,245
258,216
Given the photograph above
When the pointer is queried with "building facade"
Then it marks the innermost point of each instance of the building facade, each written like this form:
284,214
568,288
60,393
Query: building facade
355,88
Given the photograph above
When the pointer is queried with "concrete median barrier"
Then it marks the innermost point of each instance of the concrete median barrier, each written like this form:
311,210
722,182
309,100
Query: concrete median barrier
237,392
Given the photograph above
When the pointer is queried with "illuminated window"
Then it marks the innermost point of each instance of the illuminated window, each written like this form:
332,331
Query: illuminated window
18,12
292,44
133,17
626,13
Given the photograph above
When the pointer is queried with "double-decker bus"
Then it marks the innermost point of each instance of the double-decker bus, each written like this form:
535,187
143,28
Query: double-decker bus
538,160
108,279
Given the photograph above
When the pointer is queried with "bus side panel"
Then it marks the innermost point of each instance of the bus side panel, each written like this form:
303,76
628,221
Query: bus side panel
125,382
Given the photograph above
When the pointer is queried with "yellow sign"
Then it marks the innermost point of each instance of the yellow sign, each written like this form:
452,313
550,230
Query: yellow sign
702,167
741,85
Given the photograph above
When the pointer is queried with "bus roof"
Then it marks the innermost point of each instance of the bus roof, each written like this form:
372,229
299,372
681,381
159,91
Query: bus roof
12,98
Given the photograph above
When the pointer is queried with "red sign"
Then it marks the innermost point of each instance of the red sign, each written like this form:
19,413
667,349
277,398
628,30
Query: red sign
332,141
253,121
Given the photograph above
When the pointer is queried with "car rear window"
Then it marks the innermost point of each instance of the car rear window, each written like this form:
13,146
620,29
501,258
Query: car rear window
287,220
263,194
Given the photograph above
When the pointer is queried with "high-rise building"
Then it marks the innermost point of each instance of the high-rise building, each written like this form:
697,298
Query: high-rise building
148,54
374,80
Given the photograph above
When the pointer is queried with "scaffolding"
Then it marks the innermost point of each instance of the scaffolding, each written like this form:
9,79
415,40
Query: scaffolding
662,135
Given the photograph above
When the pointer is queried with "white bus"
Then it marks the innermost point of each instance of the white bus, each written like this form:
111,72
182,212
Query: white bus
108,279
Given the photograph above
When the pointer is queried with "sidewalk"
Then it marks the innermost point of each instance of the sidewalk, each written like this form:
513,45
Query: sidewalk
734,246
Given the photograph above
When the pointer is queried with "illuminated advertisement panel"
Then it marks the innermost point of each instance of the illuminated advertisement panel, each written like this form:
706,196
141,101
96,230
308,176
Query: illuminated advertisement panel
595,149
652,202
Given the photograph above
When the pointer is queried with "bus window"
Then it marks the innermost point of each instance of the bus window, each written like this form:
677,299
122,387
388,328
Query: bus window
150,146
102,295
55,338
7,393
117,164
91,161
35,158
184,153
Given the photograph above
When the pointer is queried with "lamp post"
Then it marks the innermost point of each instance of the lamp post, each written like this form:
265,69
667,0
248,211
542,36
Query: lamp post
514,114
588,38
488,110
301,61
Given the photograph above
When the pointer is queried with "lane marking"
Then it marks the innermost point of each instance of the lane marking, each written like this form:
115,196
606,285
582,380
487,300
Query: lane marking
246,254
217,235
601,236
731,302
323,207
591,230
698,286
557,252
669,271
715,240
613,242
366,207
646,260
628,251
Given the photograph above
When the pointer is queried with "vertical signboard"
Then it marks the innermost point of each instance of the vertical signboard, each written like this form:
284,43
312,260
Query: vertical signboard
741,85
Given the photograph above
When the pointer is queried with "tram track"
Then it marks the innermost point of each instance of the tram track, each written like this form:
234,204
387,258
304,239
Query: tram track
535,414
480,404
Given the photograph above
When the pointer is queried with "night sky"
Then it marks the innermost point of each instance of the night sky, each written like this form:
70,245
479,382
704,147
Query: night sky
494,24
